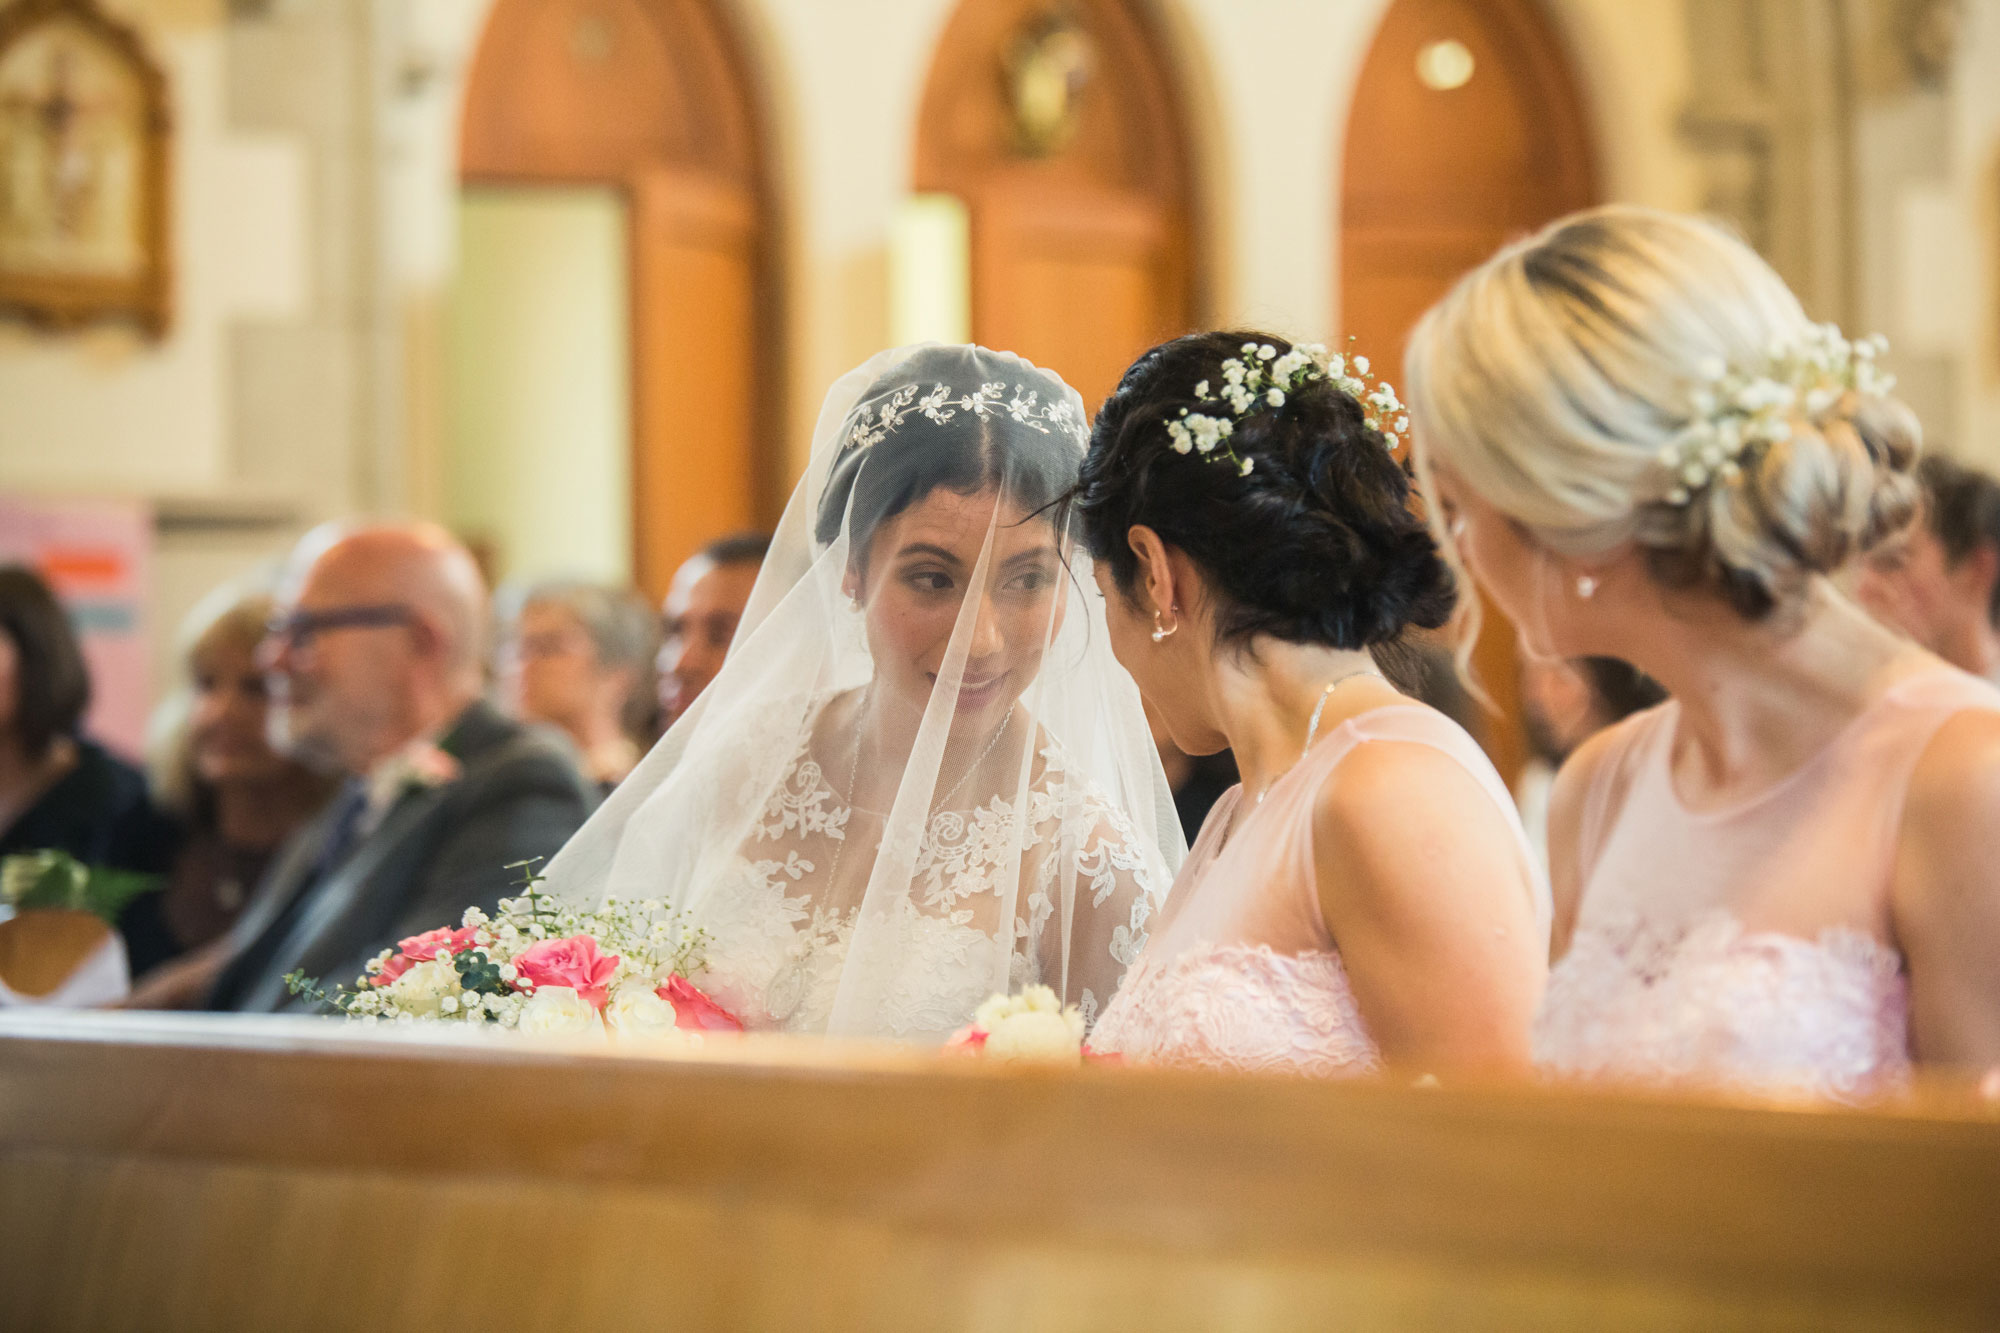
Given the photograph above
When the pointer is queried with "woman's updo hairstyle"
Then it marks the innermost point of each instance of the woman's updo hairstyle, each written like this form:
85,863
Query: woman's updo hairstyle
962,418
1552,377
1316,544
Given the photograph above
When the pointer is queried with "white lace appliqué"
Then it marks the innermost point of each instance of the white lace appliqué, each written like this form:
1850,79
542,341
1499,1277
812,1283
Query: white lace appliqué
776,956
1705,1001
1239,1007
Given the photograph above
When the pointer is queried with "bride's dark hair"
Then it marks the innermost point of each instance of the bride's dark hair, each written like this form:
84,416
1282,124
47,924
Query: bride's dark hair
1318,544
1032,462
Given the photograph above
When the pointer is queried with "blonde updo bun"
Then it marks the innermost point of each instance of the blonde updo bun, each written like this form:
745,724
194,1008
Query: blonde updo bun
1550,379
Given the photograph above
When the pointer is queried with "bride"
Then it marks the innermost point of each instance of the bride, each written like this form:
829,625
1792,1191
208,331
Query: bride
920,777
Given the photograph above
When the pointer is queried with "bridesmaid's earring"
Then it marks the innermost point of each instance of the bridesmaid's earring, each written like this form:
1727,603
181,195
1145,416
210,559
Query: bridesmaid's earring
1586,587
1162,631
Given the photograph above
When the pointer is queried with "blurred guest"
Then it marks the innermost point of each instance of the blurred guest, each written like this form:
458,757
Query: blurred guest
1563,704
1940,584
216,770
374,663
703,604
579,657
58,789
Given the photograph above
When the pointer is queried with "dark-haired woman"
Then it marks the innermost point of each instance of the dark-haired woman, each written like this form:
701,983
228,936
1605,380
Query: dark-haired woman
58,789
919,777
1366,896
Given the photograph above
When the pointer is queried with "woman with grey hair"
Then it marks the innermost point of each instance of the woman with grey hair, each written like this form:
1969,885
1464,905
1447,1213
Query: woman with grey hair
579,657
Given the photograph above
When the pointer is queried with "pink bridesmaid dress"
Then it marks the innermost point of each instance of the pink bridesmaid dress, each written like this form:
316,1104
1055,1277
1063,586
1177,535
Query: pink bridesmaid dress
1747,947
1242,973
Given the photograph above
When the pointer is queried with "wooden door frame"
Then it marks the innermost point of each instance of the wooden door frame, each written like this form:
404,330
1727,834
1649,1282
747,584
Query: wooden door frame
1536,35
992,172
553,169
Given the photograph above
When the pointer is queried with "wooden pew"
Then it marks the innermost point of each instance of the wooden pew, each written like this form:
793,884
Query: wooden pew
164,1172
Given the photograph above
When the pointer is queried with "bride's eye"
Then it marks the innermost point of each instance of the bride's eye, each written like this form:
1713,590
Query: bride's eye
1033,580
928,580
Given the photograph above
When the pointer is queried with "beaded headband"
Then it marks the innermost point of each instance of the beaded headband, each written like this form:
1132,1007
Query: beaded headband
869,428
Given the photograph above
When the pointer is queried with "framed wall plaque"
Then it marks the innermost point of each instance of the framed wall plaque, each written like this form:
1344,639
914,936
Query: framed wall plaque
84,143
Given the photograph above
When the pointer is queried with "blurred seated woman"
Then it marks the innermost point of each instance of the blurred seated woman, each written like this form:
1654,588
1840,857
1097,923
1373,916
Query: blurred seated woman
62,792
216,770
579,657
59,790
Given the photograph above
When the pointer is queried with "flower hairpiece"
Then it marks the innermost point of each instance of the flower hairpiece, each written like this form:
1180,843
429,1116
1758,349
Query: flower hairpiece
1734,410
871,428
1260,379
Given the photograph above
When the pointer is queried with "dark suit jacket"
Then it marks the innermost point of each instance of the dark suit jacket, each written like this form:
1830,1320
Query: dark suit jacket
438,851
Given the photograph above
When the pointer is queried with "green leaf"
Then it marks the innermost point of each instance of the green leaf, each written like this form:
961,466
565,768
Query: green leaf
50,879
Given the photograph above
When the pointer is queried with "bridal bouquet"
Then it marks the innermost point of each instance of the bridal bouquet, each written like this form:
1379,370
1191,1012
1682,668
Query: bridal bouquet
1033,1026
540,967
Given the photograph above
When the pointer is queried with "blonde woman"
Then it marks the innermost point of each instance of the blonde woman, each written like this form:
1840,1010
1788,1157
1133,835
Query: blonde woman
1781,878
239,799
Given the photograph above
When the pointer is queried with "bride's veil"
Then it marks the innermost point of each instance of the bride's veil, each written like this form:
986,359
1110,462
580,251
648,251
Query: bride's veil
920,754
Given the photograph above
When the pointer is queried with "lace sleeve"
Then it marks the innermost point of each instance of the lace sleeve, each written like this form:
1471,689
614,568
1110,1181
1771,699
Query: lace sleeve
1115,885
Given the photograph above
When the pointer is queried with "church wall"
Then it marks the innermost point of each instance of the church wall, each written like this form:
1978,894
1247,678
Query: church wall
316,203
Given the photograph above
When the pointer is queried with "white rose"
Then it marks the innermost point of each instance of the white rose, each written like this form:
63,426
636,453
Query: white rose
1037,1035
635,1011
559,1009
421,990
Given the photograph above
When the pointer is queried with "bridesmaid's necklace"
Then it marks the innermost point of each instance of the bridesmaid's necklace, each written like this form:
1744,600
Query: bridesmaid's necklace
1312,727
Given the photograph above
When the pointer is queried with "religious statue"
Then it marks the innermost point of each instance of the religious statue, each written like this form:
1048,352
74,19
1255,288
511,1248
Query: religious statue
1047,67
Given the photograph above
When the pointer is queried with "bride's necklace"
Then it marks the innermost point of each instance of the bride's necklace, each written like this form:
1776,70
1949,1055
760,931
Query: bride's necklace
943,802
787,990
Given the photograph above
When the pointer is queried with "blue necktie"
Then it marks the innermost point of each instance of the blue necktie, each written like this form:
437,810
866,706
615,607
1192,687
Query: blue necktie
340,839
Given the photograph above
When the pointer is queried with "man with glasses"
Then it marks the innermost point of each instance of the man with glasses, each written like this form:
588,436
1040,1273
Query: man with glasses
374,664
699,616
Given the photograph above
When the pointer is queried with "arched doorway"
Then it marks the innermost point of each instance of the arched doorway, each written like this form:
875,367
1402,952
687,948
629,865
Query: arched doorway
1060,127
1467,130
648,103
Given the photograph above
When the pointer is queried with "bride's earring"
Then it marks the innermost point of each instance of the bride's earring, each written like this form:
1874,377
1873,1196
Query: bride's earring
1586,586
1162,631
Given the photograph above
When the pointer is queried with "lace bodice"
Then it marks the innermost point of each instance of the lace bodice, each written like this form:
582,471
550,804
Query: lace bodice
1241,1007
1746,947
1709,1001
1243,973
783,920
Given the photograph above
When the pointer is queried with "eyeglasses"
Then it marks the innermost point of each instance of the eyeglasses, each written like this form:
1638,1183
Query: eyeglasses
299,628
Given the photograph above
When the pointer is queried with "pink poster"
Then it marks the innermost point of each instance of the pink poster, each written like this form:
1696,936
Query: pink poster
97,555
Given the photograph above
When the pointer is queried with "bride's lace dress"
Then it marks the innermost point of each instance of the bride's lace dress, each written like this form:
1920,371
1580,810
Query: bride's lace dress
1746,947
1243,973
782,916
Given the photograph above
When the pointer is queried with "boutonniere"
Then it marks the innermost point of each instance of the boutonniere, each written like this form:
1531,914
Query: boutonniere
422,766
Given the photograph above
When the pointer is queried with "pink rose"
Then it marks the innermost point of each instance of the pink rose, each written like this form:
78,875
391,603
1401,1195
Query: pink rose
425,947
694,1010
971,1040
1091,1057
395,967
574,962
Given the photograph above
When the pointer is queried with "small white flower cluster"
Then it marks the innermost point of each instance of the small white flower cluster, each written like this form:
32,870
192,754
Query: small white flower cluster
1026,407
1260,379
1734,410
1031,1026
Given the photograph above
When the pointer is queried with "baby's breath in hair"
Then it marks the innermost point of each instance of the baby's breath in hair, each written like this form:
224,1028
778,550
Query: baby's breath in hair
1261,380
1735,410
